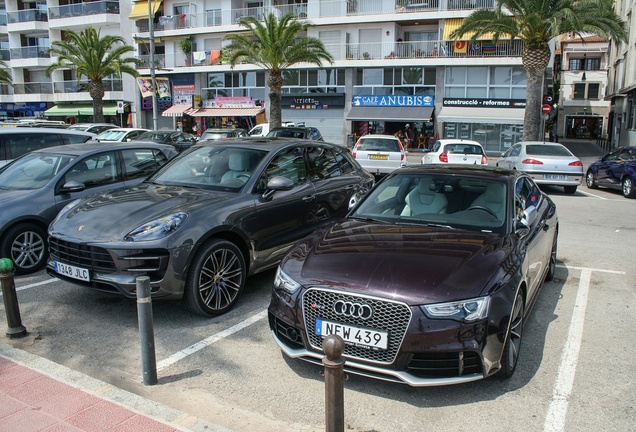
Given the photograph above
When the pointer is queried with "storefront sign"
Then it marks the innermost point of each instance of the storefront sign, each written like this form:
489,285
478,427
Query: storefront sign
231,102
313,101
393,101
485,103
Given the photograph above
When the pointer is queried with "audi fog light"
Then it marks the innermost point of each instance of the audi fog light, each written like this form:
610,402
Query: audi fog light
464,310
283,281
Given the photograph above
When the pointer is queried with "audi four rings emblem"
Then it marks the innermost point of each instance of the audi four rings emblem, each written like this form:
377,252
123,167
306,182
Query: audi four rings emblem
353,310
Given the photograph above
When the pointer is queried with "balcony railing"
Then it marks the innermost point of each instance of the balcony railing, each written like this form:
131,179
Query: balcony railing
3,18
27,15
323,9
385,51
33,88
73,86
30,52
82,9
5,54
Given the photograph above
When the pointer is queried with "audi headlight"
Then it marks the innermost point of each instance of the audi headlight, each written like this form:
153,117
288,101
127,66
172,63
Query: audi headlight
158,228
283,281
464,310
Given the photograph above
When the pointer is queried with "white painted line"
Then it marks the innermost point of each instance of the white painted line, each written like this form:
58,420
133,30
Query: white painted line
555,419
210,340
590,269
33,285
592,195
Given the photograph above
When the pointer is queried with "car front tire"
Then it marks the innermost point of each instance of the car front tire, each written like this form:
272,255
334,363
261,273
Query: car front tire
216,278
510,355
25,245
590,180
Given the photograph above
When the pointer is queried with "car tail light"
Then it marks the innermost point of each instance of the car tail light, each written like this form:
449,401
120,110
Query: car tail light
531,162
443,157
575,163
484,160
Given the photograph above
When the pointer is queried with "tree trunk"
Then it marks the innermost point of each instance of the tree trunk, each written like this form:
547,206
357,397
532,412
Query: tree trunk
96,90
535,61
275,84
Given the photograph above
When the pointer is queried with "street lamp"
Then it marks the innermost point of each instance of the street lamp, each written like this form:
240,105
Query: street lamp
153,79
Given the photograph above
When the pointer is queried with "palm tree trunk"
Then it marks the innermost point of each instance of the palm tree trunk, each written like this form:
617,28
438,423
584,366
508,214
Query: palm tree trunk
96,90
535,61
275,84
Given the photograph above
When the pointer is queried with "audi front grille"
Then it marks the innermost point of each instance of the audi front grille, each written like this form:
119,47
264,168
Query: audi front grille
391,317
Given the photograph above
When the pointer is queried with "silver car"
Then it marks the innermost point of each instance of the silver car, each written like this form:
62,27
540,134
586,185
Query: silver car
546,162
379,154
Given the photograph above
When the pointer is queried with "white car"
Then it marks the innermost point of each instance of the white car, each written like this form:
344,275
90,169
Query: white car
379,154
120,134
546,162
262,129
453,151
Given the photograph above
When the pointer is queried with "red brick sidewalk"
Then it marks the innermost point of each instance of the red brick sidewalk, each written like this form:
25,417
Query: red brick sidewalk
32,401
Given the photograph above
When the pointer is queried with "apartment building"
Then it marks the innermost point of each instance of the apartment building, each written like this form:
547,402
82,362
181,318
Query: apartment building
581,67
621,89
395,63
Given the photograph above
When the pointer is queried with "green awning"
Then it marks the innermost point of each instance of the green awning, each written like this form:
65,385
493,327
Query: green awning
79,109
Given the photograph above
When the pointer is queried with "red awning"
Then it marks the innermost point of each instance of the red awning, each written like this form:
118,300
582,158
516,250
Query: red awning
227,112
178,111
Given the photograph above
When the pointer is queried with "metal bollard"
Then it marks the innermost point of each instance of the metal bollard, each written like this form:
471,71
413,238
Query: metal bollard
333,347
146,331
10,298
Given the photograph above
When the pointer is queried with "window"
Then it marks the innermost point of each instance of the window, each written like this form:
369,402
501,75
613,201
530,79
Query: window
586,91
289,163
496,82
22,143
96,170
141,162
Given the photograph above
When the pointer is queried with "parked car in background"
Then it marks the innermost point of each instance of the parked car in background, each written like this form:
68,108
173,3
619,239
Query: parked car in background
180,140
615,170
36,186
261,130
95,128
297,132
42,123
453,151
379,154
208,219
547,163
429,280
120,134
15,142
217,134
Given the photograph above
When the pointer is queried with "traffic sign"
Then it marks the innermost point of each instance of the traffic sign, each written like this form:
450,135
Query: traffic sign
546,108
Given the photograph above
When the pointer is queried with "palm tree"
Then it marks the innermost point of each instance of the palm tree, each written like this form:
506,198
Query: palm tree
5,76
536,23
95,57
274,45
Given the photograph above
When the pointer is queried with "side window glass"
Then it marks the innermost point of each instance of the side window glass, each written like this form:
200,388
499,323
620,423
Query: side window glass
140,163
345,164
22,143
75,139
96,170
289,163
323,163
515,150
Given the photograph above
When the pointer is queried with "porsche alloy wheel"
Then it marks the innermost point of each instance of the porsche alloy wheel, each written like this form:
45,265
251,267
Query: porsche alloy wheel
216,278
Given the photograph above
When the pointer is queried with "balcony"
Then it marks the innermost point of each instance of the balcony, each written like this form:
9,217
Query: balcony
72,86
30,52
27,15
92,13
33,88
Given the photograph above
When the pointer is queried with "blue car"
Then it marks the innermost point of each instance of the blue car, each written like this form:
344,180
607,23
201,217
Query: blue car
615,170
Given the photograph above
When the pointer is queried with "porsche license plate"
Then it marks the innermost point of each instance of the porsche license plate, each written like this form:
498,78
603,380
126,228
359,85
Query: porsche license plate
359,336
72,271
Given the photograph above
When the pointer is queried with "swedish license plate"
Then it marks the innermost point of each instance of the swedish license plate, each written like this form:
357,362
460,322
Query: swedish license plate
379,156
554,177
358,336
72,271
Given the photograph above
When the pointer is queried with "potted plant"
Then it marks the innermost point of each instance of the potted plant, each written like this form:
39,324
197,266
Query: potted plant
186,47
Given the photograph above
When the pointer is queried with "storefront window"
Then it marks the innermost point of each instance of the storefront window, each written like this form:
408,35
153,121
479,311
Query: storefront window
372,77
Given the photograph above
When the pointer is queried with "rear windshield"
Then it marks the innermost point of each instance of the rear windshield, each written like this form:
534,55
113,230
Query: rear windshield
379,144
463,149
547,150
287,133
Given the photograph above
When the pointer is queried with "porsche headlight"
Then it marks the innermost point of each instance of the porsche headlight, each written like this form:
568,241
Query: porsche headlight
158,228
464,310
283,281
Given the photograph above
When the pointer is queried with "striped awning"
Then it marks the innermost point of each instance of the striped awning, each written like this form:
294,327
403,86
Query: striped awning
227,112
141,8
178,111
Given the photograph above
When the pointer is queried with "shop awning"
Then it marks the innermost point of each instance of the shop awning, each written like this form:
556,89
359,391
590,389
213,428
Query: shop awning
140,9
227,112
178,111
452,24
482,115
390,113
79,109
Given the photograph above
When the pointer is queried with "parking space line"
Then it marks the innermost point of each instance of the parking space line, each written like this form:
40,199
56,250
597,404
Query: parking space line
33,285
555,419
592,195
210,340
